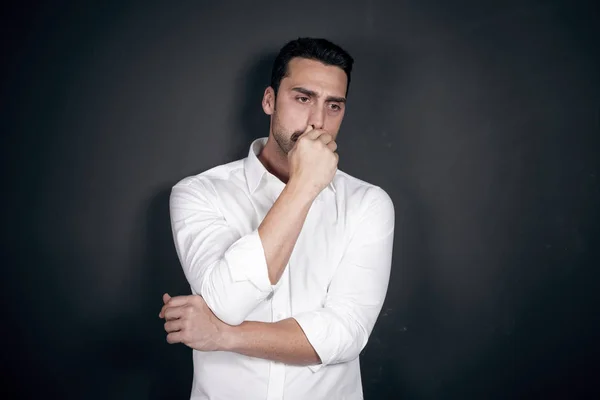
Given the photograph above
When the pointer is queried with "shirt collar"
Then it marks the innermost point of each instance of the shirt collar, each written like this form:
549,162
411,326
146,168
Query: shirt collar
255,170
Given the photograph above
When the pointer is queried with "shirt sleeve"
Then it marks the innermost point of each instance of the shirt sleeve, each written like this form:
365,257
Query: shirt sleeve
339,331
227,269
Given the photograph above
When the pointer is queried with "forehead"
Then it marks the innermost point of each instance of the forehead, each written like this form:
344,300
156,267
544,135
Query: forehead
314,75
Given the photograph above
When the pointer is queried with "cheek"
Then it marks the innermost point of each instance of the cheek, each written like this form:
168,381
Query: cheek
333,122
294,115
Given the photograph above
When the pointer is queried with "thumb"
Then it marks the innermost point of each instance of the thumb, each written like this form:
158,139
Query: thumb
166,298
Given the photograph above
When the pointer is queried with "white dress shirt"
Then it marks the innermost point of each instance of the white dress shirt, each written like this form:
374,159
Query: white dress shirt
334,284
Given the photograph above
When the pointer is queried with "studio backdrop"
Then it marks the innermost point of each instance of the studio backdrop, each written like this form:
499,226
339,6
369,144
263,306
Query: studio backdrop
480,119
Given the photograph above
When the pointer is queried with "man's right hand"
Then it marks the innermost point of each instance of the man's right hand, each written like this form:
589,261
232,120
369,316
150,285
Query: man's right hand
313,160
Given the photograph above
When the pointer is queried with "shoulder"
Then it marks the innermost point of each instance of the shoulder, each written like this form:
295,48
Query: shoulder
359,191
369,207
210,180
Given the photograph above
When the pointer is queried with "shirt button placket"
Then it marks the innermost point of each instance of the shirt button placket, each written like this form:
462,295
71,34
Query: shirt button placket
276,381
277,370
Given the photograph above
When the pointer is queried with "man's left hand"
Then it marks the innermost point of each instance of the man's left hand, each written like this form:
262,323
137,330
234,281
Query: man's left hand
188,320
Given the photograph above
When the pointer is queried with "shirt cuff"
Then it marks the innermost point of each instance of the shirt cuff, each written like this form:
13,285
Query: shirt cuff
319,328
247,262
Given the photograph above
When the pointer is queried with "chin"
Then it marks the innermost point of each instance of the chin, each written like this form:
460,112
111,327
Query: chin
282,143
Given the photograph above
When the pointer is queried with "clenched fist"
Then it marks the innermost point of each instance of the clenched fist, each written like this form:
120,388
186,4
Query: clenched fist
313,160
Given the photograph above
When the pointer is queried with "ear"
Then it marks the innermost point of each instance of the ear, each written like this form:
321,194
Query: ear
268,101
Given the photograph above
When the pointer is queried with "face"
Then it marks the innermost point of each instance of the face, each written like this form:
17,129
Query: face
310,94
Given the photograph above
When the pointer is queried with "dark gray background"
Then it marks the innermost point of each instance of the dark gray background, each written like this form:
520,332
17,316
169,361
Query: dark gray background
480,119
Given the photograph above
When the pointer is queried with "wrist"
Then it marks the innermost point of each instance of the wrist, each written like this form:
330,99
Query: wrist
228,339
301,192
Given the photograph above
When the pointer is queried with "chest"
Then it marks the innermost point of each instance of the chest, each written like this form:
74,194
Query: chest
318,249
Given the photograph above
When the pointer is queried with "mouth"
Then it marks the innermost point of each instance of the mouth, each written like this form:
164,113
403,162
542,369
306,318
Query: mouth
295,136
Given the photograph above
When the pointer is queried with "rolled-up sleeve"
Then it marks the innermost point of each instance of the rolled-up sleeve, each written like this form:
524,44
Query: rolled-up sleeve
340,330
227,269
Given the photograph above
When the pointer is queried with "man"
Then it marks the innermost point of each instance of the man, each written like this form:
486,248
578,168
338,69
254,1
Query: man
288,258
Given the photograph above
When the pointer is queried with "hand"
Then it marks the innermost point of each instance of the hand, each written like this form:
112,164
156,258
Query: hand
191,322
313,160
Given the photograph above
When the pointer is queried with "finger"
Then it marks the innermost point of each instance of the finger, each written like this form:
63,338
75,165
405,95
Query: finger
175,337
168,306
297,136
161,314
163,309
173,326
332,146
325,138
180,300
314,134
165,299
172,313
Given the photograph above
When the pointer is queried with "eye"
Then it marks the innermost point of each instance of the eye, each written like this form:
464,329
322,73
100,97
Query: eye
335,107
302,99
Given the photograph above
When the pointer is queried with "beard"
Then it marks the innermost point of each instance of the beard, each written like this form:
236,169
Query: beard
285,138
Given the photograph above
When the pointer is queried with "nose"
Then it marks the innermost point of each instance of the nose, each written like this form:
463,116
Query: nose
317,117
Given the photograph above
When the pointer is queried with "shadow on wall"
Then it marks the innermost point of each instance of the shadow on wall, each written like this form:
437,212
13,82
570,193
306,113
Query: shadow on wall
252,121
171,365
378,135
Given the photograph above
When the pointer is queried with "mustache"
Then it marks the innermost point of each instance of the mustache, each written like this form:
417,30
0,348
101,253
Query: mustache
296,135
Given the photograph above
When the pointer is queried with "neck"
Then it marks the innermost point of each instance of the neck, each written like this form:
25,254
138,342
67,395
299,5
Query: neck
275,160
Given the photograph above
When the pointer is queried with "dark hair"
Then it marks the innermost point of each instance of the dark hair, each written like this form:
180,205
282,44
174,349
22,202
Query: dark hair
312,48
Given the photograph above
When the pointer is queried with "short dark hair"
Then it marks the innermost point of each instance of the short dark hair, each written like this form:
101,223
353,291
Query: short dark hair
311,48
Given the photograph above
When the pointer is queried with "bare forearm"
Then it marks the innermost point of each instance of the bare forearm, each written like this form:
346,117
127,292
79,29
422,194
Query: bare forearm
281,227
282,341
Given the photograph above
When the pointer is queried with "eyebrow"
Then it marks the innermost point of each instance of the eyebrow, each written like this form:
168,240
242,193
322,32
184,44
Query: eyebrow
314,94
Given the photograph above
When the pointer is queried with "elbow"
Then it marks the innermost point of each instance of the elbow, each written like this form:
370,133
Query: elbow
350,340
357,341
230,317
230,302
222,306
354,339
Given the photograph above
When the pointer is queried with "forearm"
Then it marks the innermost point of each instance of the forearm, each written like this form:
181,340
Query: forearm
281,227
282,341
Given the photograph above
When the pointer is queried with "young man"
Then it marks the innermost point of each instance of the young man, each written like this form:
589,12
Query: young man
288,258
